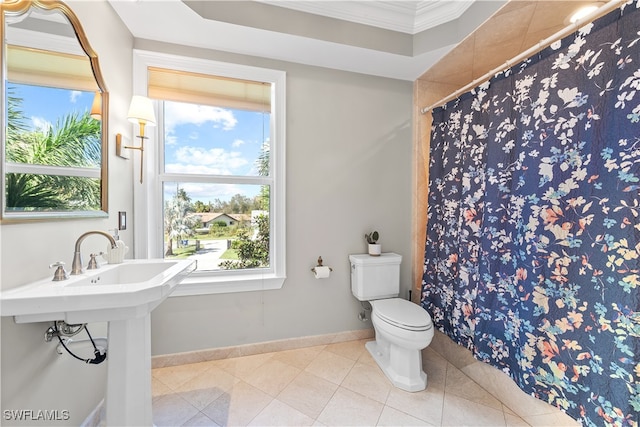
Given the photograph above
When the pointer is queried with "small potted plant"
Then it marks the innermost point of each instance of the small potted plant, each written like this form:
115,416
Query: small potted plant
375,249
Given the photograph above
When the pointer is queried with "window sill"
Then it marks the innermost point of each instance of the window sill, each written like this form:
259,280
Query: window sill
207,284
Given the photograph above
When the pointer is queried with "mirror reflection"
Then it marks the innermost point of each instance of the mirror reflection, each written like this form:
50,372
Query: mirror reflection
54,140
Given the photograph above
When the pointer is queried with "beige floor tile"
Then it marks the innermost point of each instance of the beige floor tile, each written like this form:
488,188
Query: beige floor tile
432,361
172,410
158,388
367,359
244,365
272,376
330,366
202,420
281,414
206,387
507,410
300,357
369,381
347,408
392,417
505,389
349,349
339,384
175,376
458,412
308,394
555,419
425,405
513,420
451,351
238,406
436,369
458,384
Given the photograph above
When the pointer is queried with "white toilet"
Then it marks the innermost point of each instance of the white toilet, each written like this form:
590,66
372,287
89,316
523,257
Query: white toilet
402,328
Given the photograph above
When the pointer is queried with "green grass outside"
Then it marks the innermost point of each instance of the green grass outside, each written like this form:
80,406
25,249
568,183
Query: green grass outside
230,254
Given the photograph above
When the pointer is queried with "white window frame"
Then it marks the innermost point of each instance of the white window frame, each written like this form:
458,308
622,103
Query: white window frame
148,210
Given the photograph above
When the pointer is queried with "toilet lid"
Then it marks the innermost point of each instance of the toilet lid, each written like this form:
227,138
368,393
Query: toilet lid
402,313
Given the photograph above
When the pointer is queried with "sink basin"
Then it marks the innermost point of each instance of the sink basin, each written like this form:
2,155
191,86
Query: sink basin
123,295
112,292
124,274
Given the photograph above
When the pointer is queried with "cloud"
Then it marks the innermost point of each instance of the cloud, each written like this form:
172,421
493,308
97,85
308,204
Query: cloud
237,143
171,140
41,124
198,160
177,114
75,94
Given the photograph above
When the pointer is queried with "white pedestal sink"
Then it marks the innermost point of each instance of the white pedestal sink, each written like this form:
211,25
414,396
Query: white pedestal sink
123,295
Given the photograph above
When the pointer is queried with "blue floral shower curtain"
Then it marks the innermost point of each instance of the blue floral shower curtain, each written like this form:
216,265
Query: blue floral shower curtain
532,258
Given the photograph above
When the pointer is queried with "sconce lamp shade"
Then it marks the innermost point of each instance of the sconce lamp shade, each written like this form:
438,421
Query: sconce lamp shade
96,107
141,111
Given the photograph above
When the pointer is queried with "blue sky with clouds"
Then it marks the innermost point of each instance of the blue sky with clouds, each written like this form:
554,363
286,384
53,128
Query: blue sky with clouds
212,140
43,114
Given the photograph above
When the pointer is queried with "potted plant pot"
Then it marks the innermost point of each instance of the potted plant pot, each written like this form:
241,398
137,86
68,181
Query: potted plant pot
375,249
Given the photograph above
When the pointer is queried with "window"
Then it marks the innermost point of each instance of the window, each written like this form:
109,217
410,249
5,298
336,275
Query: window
52,154
215,188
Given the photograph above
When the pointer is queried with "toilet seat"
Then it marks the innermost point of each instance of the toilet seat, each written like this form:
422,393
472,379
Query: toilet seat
402,314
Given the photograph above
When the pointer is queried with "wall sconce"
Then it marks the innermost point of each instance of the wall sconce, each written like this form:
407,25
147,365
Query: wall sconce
96,106
141,112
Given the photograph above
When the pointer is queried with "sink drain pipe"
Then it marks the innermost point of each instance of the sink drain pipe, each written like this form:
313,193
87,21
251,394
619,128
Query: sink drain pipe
61,328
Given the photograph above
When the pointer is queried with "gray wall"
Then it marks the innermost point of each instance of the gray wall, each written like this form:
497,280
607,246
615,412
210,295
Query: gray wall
33,375
348,172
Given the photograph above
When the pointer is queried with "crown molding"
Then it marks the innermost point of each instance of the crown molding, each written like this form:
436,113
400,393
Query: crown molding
430,14
404,16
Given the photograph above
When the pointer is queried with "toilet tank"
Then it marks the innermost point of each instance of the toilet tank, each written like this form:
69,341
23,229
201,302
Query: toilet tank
375,277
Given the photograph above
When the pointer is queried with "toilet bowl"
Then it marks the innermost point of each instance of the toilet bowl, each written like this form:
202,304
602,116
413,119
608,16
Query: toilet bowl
402,330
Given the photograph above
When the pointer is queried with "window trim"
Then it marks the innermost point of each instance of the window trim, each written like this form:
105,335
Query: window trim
147,196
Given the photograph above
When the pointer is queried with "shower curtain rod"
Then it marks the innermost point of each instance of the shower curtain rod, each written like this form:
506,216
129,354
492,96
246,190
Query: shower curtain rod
606,8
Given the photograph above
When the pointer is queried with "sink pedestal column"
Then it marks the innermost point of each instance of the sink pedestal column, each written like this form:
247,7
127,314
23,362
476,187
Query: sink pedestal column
128,400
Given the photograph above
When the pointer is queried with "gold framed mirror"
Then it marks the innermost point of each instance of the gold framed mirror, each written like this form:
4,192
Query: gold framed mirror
54,134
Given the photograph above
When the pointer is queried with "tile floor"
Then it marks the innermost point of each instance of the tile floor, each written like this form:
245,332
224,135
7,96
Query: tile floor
331,385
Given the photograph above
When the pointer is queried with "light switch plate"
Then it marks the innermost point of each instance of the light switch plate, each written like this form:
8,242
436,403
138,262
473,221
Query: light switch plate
122,220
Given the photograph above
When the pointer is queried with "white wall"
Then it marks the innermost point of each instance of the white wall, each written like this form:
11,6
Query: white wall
34,376
348,172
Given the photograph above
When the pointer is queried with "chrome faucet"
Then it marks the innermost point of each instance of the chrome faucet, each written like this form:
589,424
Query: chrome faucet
76,266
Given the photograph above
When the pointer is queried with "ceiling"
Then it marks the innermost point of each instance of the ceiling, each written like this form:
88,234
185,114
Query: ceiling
394,38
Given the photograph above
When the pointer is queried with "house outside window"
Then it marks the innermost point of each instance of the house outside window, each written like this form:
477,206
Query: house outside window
215,186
